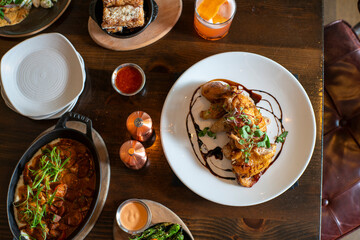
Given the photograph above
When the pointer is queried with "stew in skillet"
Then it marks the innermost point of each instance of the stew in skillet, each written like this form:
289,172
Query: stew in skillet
55,191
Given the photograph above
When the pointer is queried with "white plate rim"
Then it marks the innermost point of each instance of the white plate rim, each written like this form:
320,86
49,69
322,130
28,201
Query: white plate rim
313,123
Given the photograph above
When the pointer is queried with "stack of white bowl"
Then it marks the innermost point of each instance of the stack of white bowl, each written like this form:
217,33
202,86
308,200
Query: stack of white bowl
42,77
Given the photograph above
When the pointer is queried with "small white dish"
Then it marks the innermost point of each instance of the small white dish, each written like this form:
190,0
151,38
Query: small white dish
42,75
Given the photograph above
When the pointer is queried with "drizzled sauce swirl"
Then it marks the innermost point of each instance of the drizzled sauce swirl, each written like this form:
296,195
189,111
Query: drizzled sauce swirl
205,154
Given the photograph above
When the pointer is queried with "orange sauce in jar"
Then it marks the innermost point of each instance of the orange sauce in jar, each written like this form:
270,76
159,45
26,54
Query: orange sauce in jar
133,216
128,79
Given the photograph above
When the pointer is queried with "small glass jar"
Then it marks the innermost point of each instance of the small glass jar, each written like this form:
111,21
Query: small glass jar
133,216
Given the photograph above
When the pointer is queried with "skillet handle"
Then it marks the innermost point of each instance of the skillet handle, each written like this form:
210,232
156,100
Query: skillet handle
155,10
92,10
78,117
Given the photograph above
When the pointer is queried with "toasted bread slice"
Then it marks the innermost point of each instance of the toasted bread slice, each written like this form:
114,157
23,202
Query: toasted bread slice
124,16
119,3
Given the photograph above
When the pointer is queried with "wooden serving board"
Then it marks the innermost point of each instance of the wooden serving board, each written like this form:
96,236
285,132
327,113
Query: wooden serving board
168,15
159,214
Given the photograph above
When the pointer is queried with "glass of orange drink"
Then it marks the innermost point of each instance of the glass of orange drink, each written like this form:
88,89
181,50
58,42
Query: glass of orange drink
213,18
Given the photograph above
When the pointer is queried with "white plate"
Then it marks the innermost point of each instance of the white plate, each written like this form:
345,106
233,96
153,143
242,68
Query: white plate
54,115
42,75
254,72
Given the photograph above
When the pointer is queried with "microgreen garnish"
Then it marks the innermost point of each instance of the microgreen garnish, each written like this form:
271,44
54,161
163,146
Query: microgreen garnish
52,197
207,131
33,208
281,137
264,143
4,3
247,155
258,133
245,131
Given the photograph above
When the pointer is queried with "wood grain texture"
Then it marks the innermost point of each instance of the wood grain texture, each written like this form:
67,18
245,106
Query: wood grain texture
289,32
169,13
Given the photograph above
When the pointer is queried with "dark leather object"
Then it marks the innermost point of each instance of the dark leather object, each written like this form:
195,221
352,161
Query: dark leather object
341,165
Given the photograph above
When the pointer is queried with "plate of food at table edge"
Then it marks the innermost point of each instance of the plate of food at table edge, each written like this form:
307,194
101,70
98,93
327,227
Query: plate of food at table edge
20,18
243,130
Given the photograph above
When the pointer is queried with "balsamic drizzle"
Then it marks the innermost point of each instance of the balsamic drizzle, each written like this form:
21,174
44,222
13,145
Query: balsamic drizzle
206,154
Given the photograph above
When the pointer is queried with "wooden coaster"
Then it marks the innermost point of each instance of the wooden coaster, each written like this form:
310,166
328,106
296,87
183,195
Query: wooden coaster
168,15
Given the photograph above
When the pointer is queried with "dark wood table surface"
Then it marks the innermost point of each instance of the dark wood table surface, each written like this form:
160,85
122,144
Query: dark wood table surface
289,32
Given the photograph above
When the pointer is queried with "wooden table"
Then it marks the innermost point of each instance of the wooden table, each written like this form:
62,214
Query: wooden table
289,32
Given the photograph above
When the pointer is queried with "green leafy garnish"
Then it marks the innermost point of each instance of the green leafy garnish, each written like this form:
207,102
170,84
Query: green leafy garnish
33,208
244,131
265,142
258,133
211,134
52,197
247,155
6,2
207,131
161,231
281,137
202,133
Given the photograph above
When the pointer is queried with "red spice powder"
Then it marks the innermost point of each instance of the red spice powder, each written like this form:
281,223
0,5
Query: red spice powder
128,79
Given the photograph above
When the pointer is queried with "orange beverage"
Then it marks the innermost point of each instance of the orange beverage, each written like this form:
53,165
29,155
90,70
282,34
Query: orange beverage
211,21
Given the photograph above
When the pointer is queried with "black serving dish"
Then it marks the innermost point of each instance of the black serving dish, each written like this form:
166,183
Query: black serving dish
60,131
38,20
150,11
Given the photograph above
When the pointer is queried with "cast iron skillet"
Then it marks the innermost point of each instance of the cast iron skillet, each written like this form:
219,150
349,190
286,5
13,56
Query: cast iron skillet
60,131
150,10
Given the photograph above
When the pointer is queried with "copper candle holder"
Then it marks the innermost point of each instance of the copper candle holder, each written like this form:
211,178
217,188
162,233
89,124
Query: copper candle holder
133,154
139,125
